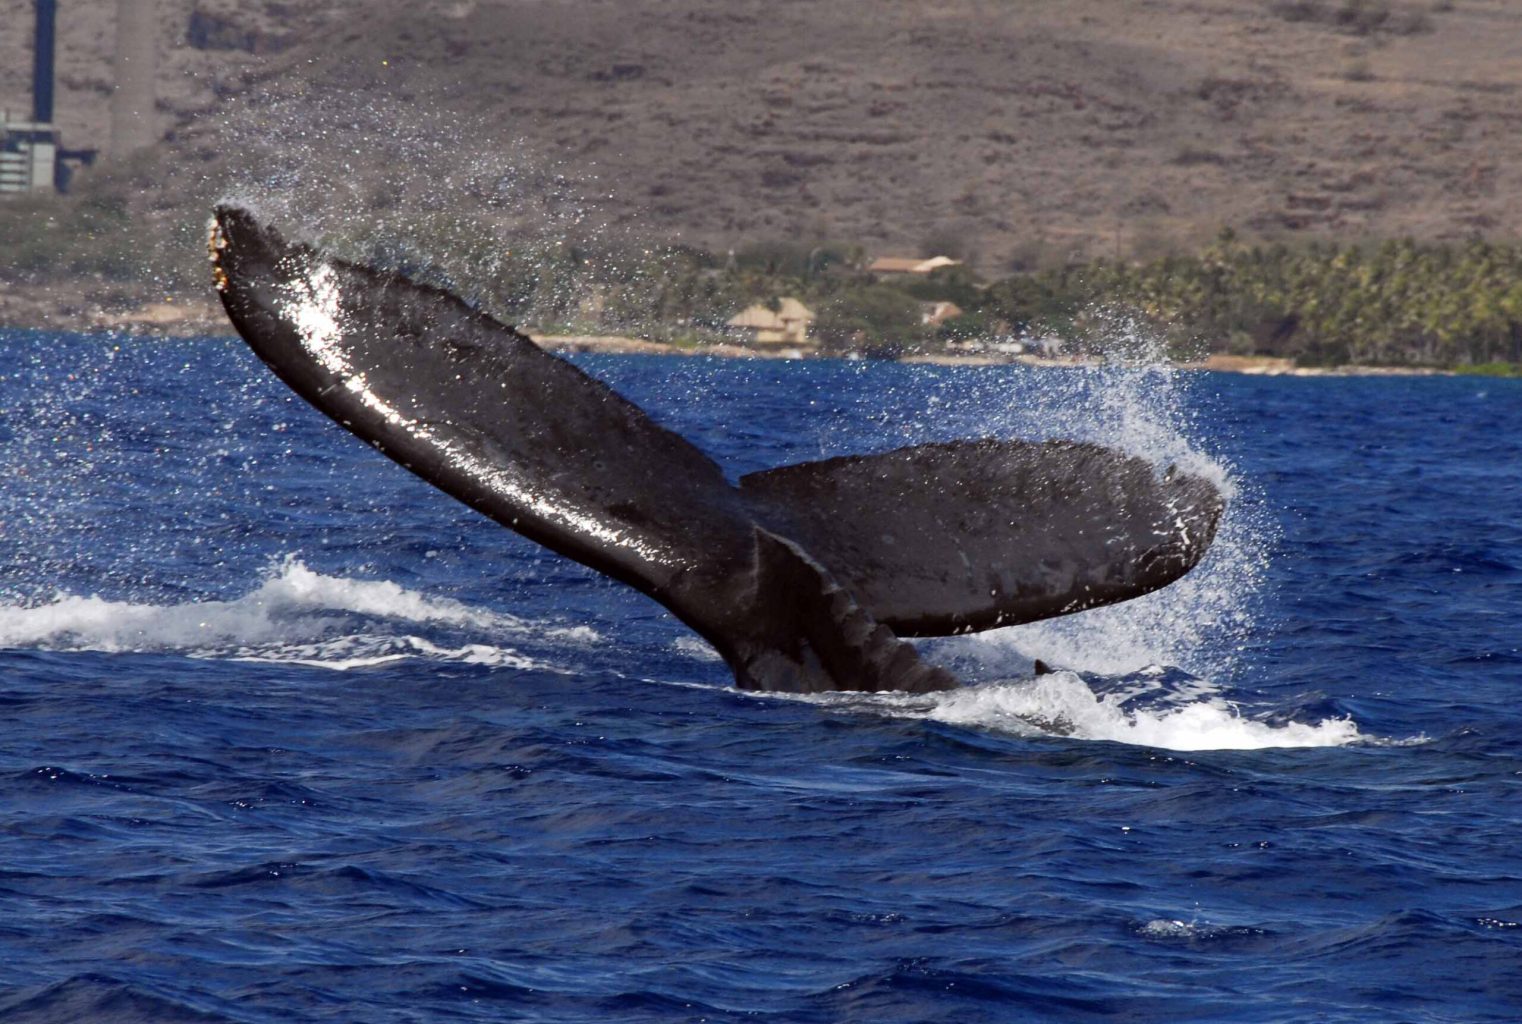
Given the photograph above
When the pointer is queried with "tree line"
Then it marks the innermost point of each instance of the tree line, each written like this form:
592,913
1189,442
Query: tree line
1397,303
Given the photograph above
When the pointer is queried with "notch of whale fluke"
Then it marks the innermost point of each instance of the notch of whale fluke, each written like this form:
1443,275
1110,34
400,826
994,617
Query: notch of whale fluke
802,577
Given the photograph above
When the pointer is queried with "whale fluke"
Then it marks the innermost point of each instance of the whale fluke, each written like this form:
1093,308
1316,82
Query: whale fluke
803,577
967,535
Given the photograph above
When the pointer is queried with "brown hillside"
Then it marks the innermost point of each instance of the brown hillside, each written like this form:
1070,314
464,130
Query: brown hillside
1019,132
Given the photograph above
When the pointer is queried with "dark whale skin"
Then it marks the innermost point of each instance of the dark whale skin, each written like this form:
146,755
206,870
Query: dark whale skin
799,576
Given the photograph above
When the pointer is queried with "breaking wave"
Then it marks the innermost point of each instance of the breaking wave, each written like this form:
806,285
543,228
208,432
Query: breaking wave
297,616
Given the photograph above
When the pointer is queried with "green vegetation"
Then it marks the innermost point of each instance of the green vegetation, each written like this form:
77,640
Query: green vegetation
88,238
877,318
1492,369
1396,303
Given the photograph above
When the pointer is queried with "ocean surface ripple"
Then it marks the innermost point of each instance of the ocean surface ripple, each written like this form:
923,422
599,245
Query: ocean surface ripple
288,736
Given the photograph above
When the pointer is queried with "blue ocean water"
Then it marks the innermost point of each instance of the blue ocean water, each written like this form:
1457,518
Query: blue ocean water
286,736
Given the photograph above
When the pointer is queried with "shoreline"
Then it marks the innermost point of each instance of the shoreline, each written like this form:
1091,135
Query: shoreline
198,318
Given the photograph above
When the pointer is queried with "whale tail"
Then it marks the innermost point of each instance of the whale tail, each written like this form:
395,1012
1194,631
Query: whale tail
816,634
802,577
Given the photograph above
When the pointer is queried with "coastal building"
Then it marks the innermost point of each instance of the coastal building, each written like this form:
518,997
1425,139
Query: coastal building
31,156
28,154
921,265
934,314
788,324
29,145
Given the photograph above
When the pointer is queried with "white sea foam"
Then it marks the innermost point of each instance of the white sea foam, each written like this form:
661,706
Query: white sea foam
1164,928
1141,404
369,650
464,212
695,648
296,615
1064,704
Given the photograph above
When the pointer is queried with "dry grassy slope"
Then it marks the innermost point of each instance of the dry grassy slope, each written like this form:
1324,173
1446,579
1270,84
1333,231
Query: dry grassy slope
1031,131
189,77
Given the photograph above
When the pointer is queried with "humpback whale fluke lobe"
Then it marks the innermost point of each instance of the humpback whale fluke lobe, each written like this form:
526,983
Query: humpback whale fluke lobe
802,577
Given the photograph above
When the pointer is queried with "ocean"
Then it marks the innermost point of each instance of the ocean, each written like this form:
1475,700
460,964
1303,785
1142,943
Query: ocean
286,735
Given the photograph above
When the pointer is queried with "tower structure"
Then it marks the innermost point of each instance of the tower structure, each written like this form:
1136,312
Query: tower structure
29,148
134,122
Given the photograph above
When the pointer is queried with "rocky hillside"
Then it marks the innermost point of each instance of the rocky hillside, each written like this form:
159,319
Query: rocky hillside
1018,134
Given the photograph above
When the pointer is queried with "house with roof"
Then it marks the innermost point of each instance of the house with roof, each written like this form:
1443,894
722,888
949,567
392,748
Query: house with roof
936,313
788,324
